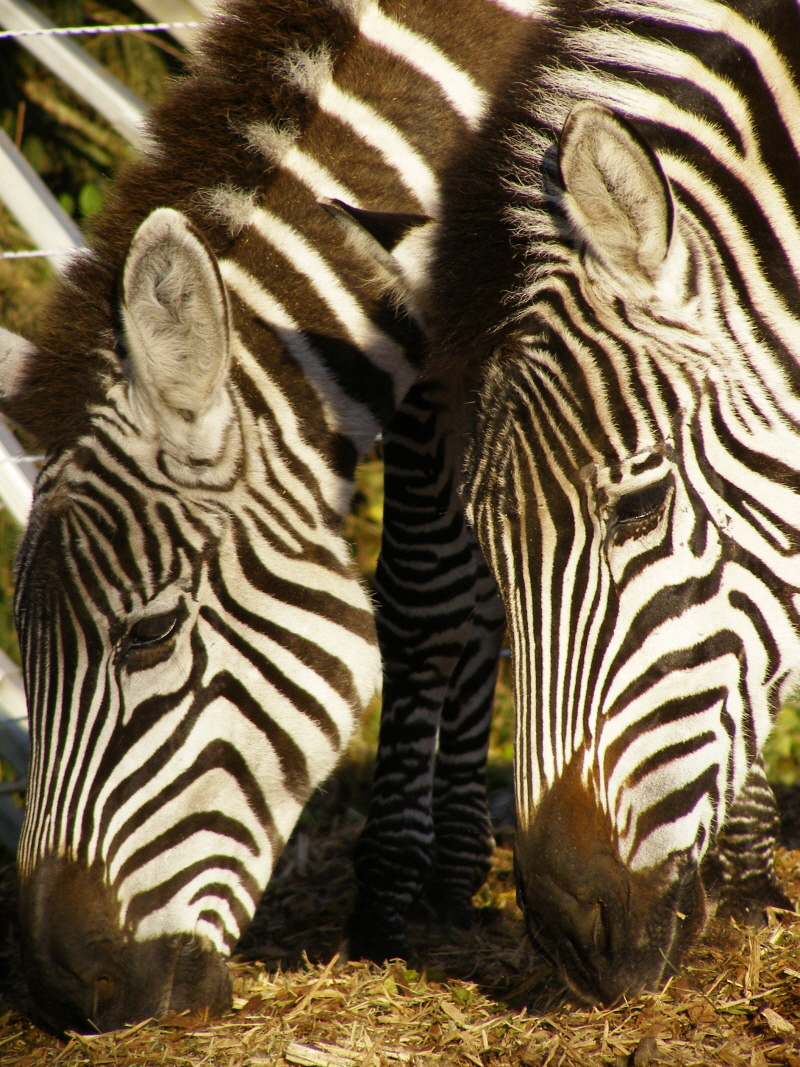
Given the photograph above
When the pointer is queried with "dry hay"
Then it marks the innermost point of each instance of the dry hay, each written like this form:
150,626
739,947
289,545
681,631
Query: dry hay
468,998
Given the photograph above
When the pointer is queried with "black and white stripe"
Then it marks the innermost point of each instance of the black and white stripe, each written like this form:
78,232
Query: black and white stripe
197,647
618,269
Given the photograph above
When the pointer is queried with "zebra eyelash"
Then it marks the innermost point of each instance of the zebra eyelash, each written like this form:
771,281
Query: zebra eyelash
153,629
635,514
151,639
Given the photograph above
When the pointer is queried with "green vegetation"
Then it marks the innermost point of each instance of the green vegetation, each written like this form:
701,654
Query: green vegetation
66,142
782,751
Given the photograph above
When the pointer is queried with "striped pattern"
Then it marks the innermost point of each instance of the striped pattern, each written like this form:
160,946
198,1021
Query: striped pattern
264,629
440,624
197,647
633,477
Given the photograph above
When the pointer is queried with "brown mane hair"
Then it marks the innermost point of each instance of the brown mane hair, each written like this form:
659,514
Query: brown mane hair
196,141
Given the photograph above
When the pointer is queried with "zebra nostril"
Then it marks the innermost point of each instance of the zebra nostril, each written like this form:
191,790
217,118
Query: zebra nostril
599,933
103,989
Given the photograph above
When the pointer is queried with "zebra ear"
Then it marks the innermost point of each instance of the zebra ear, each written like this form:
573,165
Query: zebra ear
617,194
175,314
16,354
378,235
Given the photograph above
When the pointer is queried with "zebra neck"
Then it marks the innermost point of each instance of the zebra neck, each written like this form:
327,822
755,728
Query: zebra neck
361,102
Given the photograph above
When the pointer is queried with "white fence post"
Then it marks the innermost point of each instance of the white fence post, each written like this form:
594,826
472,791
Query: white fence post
33,205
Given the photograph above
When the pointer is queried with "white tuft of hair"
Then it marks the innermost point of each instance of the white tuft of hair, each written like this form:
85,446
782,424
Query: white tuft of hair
270,141
353,9
310,72
233,206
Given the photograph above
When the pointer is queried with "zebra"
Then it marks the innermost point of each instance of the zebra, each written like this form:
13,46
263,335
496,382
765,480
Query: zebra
615,283
196,646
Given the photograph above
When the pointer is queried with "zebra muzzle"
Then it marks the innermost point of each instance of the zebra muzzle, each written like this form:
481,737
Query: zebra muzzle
86,973
609,931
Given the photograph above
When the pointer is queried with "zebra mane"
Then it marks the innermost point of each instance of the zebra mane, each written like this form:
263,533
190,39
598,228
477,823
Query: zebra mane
201,159
506,223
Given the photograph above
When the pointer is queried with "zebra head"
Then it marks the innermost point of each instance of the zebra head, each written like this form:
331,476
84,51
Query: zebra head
196,650
634,480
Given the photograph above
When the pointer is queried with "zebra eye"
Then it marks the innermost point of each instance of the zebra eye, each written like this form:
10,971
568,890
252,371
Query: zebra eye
153,629
151,640
636,514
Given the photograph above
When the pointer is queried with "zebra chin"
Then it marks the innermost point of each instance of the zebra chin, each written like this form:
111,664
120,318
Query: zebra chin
87,974
610,932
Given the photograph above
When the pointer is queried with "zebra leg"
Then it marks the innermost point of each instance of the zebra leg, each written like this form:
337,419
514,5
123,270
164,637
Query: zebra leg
425,590
739,870
462,825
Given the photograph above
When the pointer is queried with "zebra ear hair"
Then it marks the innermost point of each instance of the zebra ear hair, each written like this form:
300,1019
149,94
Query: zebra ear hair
16,355
387,228
617,194
376,234
176,320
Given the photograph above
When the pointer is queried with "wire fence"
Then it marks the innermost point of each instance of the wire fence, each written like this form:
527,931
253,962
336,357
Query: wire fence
87,31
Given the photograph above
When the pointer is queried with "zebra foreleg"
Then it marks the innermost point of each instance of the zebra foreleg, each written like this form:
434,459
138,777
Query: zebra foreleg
738,871
425,587
462,826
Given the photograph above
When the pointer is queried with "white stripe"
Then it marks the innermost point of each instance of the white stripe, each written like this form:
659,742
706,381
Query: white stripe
334,490
381,350
280,148
184,910
468,99
526,9
342,413
139,754
385,138
316,177
769,528
287,494
169,814
676,836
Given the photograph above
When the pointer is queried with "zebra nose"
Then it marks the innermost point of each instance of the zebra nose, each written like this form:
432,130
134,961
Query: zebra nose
574,899
87,974
609,931
79,983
